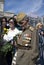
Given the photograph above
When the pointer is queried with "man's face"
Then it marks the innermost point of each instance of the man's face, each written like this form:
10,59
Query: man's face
23,23
11,23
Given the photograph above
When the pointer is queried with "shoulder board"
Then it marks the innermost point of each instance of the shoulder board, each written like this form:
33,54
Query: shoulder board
31,28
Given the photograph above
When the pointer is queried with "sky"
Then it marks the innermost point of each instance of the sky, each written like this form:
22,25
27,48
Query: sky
30,7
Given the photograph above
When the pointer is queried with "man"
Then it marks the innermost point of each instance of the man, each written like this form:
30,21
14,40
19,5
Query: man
27,52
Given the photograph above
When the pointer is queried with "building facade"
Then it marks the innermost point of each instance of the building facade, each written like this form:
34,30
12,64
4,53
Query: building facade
2,12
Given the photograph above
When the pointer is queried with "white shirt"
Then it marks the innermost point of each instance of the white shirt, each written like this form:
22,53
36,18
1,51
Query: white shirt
11,33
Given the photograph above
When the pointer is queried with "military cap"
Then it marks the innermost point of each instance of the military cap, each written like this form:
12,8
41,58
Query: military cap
20,16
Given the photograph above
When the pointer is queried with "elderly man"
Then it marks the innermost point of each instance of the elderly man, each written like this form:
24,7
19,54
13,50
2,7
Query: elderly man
28,51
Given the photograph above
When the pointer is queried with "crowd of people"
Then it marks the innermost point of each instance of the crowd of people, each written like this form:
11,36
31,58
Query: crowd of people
26,43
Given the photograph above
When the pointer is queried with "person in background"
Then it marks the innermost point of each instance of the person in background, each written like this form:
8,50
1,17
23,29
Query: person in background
16,24
15,16
4,29
4,25
39,27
